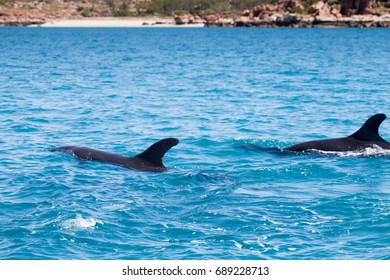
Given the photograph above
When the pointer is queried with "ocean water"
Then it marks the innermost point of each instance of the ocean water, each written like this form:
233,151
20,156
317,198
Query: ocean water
222,93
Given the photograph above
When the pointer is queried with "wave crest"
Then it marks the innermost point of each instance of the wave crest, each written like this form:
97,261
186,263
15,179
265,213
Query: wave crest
79,223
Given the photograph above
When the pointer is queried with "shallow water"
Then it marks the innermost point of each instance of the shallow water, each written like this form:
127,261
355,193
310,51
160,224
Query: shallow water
220,91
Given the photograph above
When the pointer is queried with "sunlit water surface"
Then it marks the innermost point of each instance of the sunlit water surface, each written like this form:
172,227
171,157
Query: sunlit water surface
222,92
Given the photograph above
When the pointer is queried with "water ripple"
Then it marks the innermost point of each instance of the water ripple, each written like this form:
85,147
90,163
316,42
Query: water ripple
223,93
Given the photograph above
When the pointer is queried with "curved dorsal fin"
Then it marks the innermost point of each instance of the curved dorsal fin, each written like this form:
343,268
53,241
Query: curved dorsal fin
370,129
156,152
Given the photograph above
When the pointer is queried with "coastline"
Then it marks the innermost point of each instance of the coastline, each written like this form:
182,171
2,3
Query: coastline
307,21
112,22
292,21
288,20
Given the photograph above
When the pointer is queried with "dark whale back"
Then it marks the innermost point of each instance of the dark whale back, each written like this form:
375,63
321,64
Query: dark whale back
366,136
149,160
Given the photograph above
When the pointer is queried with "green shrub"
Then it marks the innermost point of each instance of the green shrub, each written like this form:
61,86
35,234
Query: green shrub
5,2
169,7
119,8
123,10
297,10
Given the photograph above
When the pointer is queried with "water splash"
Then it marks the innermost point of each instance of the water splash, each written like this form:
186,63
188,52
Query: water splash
80,223
374,151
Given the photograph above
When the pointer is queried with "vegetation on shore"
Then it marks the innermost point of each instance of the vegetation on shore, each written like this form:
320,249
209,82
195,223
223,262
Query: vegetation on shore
235,7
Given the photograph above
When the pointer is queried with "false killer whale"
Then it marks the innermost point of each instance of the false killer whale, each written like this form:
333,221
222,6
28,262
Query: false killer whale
149,160
367,136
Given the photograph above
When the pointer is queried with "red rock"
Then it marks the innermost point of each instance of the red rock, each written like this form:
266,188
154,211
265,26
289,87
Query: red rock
258,10
211,18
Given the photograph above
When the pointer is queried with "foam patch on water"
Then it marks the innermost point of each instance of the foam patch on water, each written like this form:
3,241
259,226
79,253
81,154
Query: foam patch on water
80,223
374,151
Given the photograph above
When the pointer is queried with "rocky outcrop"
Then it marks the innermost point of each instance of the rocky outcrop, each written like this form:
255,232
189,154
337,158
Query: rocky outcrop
289,13
19,19
36,12
218,20
188,19
353,21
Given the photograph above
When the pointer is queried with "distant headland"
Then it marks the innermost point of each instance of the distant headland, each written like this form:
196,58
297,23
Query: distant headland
198,13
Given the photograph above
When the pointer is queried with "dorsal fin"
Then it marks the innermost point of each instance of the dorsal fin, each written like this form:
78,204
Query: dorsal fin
156,152
370,129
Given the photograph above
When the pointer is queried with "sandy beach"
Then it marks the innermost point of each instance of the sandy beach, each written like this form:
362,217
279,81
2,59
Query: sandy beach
155,22
115,22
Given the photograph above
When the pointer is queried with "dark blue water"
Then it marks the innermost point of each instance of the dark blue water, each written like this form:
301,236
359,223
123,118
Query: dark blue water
222,92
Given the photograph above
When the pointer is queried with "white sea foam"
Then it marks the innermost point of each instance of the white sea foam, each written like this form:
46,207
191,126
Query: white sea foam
374,151
80,223
238,245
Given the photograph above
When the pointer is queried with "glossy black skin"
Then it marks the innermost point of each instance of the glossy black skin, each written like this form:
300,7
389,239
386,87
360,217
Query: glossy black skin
347,144
149,160
367,136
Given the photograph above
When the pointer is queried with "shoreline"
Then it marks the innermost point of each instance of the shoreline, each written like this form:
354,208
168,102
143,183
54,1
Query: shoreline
112,22
307,21
288,21
275,21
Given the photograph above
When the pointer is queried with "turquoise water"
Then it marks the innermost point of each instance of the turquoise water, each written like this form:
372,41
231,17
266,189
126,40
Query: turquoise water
221,92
